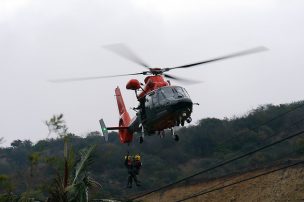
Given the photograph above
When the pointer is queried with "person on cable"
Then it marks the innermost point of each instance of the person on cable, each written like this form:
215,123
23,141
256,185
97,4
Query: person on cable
132,170
137,163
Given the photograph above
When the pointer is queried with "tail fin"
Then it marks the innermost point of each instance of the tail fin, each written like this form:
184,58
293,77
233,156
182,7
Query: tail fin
120,102
124,120
104,130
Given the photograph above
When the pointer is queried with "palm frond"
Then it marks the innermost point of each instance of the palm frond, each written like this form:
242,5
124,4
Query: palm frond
85,161
78,192
58,193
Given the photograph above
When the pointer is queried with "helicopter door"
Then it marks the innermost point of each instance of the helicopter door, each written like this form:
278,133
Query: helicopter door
155,100
151,104
163,101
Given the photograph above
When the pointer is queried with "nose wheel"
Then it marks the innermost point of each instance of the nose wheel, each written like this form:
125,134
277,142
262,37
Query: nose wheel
174,136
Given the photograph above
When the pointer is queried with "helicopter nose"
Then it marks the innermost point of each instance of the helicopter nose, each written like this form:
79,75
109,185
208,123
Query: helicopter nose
182,109
183,103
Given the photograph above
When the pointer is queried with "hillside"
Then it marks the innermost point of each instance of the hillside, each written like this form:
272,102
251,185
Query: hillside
201,146
285,185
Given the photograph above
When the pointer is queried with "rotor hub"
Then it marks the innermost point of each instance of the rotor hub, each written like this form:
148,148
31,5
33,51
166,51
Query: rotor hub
156,71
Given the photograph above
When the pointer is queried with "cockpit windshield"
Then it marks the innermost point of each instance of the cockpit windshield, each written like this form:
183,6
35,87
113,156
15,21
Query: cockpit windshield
167,92
164,94
173,92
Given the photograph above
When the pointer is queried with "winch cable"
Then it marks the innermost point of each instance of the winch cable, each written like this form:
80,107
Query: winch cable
241,181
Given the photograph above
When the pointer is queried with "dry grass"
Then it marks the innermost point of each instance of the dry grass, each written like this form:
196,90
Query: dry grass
285,185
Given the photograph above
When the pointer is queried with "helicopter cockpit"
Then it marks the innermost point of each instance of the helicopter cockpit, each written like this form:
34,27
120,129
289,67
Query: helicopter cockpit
165,94
170,103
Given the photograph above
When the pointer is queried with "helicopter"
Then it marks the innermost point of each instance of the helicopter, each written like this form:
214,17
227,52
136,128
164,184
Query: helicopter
161,105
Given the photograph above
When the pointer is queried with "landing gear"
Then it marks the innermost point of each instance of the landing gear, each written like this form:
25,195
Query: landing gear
141,138
179,121
182,119
175,137
161,134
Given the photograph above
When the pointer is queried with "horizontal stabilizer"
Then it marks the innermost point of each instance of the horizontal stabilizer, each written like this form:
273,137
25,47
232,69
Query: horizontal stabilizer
104,129
117,128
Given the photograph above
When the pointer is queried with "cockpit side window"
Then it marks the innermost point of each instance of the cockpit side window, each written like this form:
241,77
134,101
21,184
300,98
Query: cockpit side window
155,98
148,101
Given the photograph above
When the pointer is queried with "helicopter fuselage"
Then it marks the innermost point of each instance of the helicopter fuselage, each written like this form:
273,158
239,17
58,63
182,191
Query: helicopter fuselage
161,109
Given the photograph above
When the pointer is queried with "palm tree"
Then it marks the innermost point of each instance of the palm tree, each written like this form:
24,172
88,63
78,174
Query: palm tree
33,158
77,190
57,125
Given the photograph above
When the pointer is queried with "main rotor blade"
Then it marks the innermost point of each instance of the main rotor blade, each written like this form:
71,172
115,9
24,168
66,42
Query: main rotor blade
183,80
125,52
237,54
94,77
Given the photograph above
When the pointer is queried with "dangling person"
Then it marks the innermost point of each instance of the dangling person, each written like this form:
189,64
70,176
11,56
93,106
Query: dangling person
133,170
137,163
128,164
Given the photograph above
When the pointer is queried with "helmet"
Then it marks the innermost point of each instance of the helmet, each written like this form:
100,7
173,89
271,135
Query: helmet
137,157
129,157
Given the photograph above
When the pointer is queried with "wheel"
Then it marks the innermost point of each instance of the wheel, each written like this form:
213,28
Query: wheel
176,138
141,140
189,119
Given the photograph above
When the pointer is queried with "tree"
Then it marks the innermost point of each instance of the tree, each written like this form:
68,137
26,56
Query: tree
33,160
57,125
20,143
16,143
5,183
77,190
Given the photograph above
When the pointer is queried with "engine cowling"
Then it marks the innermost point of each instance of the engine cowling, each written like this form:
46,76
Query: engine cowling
133,84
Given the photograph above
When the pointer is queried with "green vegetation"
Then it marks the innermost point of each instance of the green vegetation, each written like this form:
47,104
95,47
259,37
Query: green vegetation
66,165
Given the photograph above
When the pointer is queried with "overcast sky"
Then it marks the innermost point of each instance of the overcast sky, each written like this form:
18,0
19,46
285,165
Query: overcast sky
47,39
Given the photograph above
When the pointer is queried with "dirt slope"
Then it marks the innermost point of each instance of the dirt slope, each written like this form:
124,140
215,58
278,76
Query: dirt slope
284,185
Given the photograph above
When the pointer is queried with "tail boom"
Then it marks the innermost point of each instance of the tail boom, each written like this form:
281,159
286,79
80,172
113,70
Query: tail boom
125,135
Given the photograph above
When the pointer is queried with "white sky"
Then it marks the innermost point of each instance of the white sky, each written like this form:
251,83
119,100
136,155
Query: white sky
47,39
